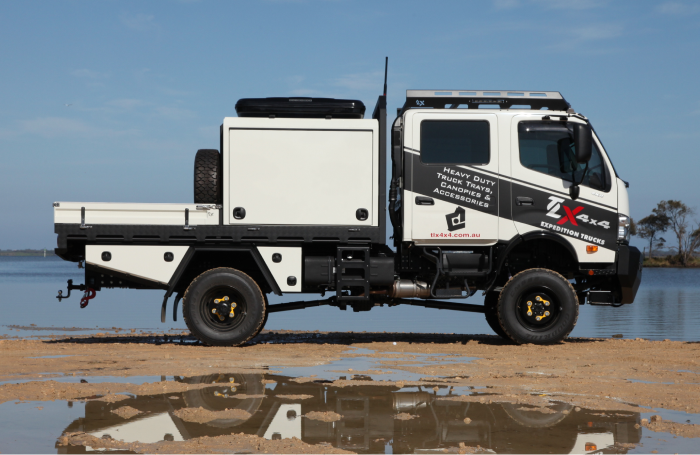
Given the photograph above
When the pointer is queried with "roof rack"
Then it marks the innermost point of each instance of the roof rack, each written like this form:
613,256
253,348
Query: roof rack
472,99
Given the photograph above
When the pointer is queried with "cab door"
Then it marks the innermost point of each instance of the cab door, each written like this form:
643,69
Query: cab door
543,167
452,184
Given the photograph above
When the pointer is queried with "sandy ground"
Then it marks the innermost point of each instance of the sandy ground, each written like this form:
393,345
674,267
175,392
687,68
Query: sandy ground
605,374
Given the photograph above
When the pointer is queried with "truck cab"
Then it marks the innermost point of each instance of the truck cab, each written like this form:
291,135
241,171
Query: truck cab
510,193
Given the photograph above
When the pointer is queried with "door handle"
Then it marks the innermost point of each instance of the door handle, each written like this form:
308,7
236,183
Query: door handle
421,200
520,200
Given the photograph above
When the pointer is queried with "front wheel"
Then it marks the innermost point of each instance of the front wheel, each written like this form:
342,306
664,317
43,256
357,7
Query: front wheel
538,306
491,313
224,307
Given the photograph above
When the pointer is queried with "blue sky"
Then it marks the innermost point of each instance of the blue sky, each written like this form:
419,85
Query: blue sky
109,101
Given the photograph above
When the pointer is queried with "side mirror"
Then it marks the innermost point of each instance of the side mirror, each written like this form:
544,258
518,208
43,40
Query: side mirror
583,142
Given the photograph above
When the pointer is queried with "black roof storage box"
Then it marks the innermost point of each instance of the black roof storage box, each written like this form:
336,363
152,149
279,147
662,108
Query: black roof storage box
300,107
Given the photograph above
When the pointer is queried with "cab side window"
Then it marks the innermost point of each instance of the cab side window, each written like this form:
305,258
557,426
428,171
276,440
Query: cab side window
454,142
548,147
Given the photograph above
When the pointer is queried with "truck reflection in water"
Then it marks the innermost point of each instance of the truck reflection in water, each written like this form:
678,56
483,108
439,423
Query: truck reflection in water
368,421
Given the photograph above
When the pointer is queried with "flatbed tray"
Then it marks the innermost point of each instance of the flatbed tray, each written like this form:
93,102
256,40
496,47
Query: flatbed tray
300,107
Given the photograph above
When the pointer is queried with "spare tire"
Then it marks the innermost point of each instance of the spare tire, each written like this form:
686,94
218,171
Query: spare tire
207,177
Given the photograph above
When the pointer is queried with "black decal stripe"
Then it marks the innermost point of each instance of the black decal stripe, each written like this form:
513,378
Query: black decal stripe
563,193
478,169
501,176
463,187
537,215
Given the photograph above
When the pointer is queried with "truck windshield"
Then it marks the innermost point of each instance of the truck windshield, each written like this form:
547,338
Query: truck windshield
548,147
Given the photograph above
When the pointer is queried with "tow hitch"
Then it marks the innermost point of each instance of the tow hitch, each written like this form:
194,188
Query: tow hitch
88,295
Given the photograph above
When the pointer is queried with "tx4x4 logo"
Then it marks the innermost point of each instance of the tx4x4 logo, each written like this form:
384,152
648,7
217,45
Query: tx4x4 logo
456,220
555,203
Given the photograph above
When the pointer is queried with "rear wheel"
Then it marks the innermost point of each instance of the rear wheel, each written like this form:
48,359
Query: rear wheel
262,326
224,307
223,395
538,306
534,417
207,177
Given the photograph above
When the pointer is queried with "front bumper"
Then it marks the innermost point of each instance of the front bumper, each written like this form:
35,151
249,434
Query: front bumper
629,272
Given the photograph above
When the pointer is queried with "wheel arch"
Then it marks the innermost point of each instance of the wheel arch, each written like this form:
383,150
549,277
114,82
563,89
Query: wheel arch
558,239
247,259
529,239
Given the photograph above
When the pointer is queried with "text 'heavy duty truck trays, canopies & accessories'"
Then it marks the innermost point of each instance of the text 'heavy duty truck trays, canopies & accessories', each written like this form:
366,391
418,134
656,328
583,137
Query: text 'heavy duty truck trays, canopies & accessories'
506,192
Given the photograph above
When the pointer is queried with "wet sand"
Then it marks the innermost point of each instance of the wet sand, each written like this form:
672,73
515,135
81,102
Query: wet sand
597,374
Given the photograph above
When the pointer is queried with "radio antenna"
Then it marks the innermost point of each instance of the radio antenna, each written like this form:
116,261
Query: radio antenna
386,68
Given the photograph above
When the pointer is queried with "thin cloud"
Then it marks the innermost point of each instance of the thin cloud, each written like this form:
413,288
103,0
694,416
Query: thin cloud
586,36
304,92
53,127
141,22
88,74
597,32
506,4
361,81
295,79
550,4
174,92
571,5
678,8
174,112
125,103
209,132
695,112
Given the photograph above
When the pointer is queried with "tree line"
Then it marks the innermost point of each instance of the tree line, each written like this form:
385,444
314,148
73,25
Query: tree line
676,217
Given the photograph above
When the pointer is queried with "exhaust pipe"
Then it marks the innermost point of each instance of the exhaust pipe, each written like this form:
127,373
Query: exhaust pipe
409,289
410,401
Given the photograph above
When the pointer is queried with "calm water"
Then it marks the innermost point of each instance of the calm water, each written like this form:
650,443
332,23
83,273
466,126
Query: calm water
367,424
276,404
666,307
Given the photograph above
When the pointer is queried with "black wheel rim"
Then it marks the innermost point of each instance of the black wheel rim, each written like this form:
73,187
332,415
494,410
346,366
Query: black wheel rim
223,308
538,309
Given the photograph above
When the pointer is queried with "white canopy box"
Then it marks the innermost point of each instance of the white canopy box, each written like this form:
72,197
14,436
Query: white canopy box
288,171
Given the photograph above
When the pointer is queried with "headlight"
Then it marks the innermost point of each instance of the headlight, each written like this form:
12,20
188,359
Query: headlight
623,230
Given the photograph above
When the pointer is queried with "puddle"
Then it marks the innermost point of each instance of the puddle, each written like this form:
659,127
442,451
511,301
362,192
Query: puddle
641,381
273,406
51,356
674,416
375,368
90,379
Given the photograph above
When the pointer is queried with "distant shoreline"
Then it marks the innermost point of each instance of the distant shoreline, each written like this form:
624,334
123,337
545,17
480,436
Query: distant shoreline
653,266
670,262
27,253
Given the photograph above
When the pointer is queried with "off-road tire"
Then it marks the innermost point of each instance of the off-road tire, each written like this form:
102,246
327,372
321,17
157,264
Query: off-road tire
534,418
491,313
262,326
207,177
242,289
564,307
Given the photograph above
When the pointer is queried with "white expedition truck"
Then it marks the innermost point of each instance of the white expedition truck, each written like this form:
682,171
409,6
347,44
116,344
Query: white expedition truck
520,201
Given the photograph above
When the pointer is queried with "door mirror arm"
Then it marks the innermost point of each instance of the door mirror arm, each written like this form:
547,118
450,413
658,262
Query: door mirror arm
575,189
